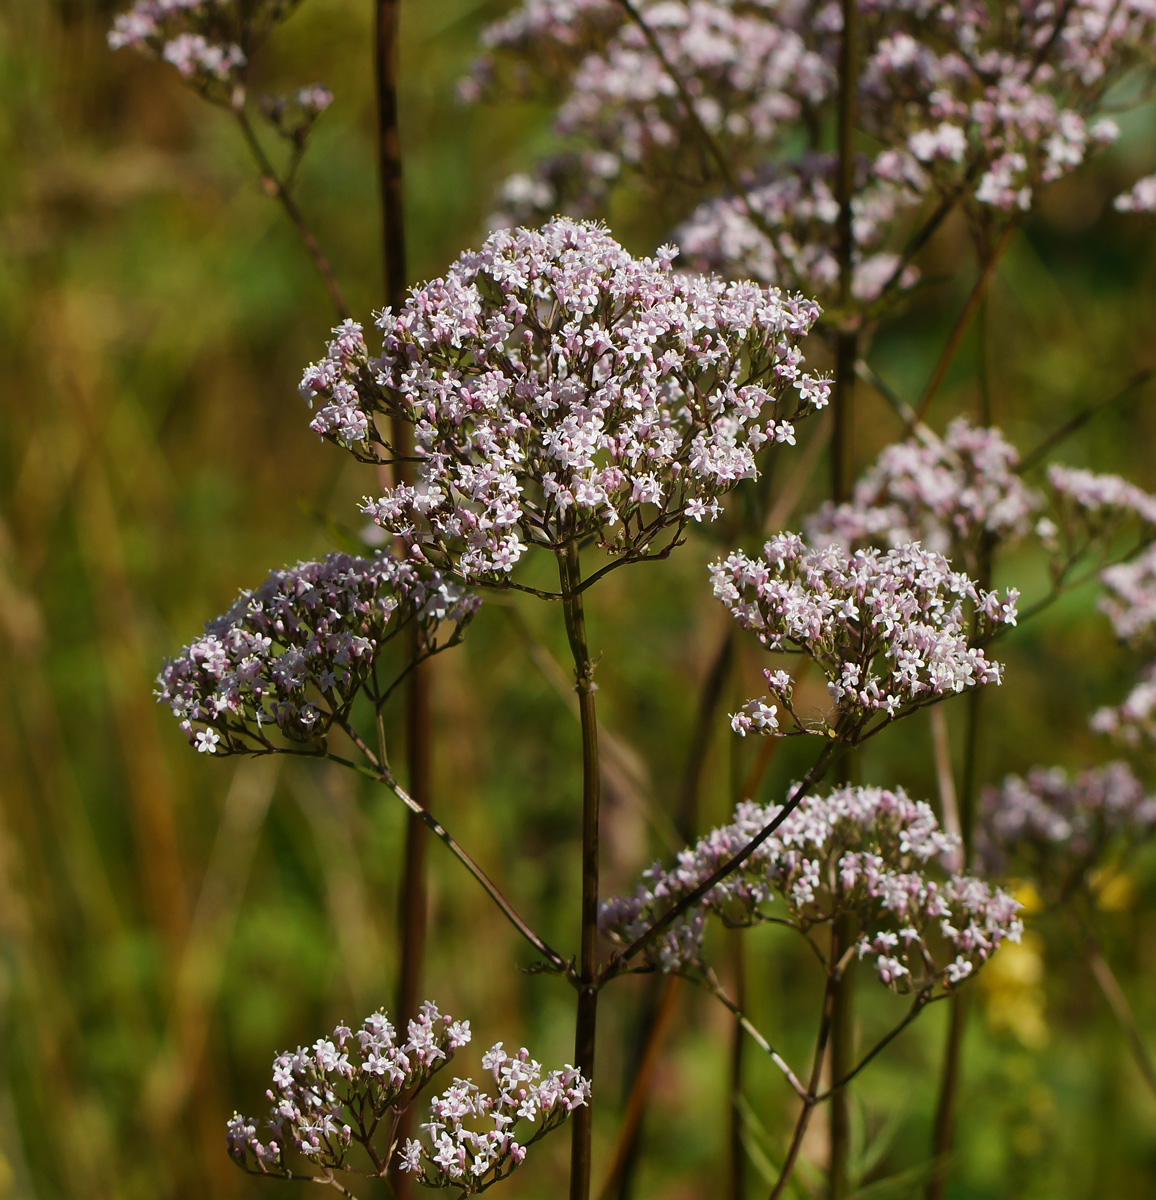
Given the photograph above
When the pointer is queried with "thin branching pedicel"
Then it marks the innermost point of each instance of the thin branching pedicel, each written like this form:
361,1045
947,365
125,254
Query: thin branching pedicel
560,389
337,1104
291,656
866,853
889,631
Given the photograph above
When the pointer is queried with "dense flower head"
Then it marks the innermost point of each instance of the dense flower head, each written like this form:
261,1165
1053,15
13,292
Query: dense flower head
870,854
208,41
949,493
891,631
559,389
475,1138
1055,829
349,1089
967,100
292,655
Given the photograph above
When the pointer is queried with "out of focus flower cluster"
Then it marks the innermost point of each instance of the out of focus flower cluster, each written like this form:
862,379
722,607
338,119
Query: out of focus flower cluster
964,99
349,1090
1056,830
560,389
891,631
868,854
292,655
952,494
208,41
1130,602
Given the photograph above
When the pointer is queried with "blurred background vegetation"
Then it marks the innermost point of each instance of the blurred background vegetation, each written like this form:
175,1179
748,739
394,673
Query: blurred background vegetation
168,923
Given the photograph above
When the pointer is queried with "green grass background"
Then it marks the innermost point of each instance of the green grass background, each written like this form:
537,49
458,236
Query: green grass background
168,923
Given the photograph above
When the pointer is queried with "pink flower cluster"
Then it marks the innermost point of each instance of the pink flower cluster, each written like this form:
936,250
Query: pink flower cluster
868,853
333,1094
889,630
293,654
560,389
1100,501
949,493
963,99
1054,829
1133,721
527,1106
208,41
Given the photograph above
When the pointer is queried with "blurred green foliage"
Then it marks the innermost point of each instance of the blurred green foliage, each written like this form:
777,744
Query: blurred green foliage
168,923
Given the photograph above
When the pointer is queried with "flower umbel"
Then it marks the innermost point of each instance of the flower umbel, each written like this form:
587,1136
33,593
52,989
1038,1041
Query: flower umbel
561,389
349,1090
865,853
889,630
292,655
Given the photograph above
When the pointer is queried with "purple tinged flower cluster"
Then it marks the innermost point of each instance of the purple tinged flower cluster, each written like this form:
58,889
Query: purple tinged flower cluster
1100,501
870,854
1055,829
950,493
203,39
292,655
349,1090
560,389
890,631
962,99
1133,721
333,1094
476,1139
1130,602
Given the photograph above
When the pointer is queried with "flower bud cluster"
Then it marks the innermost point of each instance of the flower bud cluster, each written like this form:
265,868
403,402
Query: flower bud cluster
349,1090
1055,830
949,493
332,1094
889,630
476,1139
868,854
963,100
560,389
293,115
293,654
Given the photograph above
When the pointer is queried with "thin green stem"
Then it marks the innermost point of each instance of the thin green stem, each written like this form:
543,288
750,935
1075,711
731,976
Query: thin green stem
275,186
570,578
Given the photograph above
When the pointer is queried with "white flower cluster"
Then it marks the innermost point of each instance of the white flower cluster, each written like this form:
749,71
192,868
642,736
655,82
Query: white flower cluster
1054,829
331,1095
293,654
866,853
962,100
949,493
560,389
349,1089
527,1106
1100,501
889,630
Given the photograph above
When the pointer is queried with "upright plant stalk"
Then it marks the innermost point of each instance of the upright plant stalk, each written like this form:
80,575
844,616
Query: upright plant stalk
418,719
570,577
842,404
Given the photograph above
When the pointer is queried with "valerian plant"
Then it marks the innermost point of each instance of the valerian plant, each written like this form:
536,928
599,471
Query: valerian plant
552,392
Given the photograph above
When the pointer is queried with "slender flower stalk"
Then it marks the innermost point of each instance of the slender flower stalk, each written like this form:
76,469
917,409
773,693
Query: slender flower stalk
570,579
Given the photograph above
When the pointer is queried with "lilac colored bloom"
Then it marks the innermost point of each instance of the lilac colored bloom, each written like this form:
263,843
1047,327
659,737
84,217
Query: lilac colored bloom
560,389
293,654
868,853
1133,721
964,101
337,1093
949,493
1130,601
1140,198
201,38
1100,502
1055,830
889,631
